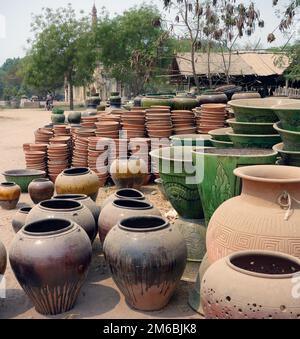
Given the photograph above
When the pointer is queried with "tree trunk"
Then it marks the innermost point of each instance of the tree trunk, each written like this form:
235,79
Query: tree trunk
71,94
194,68
208,66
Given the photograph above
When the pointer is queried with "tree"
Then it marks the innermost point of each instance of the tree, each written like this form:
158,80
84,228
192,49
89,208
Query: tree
133,46
10,78
63,48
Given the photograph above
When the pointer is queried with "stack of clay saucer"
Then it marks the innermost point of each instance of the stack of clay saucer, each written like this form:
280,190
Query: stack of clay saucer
58,159
114,116
107,129
118,149
80,149
43,135
89,122
210,117
36,157
157,144
61,131
140,148
64,140
133,124
158,122
183,122
98,157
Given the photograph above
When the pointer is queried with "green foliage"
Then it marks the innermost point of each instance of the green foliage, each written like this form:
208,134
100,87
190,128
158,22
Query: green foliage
11,79
293,72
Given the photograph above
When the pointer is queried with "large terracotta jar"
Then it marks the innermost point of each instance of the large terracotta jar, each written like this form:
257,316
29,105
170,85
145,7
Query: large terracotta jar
50,259
9,195
3,259
40,190
264,217
78,181
69,209
214,168
84,200
254,285
19,220
147,258
124,194
113,213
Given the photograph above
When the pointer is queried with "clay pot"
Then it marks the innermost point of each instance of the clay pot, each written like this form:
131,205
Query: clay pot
128,173
20,217
213,98
9,195
258,286
40,190
124,194
78,181
84,200
50,260
147,258
113,213
3,259
58,118
69,209
246,95
243,223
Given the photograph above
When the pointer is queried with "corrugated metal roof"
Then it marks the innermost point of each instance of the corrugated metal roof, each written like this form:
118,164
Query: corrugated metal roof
242,63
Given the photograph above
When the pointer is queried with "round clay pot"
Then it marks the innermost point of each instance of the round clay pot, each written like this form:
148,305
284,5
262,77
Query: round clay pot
124,194
74,117
3,259
78,181
9,195
69,209
254,285
40,190
128,173
50,259
213,98
147,258
20,217
246,95
85,200
58,119
113,213
261,217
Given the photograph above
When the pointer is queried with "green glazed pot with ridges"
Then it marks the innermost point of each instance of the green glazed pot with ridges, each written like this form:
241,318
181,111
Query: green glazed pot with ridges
254,141
291,140
290,158
289,116
257,128
149,101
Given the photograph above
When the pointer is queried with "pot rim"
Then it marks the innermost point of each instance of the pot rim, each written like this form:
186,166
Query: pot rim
25,210
229,259
81,171
278,127
69,225
241,103
272,153
147,205
241,172
63,210
41,180
234,122
76,197
8,184
164,224
253,135
156,153
141,195
279,149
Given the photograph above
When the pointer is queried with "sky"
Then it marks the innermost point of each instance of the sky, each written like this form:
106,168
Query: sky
15,19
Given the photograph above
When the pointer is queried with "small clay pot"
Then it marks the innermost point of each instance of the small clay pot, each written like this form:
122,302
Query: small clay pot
3,259
147,257
20,217
9,195
113,213
40,190
124,194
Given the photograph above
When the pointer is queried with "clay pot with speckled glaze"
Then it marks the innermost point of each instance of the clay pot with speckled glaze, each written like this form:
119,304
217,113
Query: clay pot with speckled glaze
19,219
3,259
40,190
9,195
254,285
147,258
50,259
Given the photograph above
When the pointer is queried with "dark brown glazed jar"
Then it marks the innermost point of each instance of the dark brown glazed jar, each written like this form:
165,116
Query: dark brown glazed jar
113,213
9,195
124,194
50,259
40,190
147,258
20,217
3,259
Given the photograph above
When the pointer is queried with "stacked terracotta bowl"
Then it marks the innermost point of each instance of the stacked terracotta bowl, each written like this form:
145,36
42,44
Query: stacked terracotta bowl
36,157
98,157
133,124
89,122
81,145
58,159
107,129
157,144
62,131
113,116
43,135
158,122
140,148
210,117
118,148
183,122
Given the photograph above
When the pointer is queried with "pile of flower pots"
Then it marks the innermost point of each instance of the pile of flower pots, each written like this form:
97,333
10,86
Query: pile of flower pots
36,156
133,124
210,117
96,148
89,122
58,159
43,135
81,143
183,122
107,129
159,122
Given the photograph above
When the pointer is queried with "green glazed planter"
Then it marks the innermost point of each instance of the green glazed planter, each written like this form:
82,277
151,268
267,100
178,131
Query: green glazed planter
289,116
185,103
58,119
192,140
290,158
23,178
175,169
254,141
221,134
147,102
222,144
219,184
74,118
257,128
291,140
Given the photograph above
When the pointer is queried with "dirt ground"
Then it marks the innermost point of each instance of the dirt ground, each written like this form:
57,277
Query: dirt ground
99,298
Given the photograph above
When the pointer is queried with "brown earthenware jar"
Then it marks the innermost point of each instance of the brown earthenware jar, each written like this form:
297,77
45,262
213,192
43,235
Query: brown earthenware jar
50,259
3,259
124,194
147,257
40,190
9,195
20,217
113,213
70,209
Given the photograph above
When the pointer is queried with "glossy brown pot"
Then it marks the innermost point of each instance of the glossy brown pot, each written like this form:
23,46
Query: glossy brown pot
124,194
40,190
113,213
9,195
3,259
78,181
147,258
85,200
69,209
50,260
213,98
20,217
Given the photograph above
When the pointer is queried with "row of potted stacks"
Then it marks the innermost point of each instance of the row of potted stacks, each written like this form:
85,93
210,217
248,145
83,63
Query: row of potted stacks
159,122
133,123
210,117
183,122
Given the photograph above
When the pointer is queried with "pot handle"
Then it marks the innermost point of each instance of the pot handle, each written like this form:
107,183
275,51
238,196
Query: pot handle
285,201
